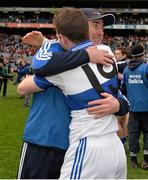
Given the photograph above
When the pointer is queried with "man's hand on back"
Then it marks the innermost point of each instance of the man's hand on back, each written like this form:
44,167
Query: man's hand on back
102,107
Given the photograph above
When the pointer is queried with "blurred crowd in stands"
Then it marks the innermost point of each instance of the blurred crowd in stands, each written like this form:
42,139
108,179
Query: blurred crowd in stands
127,41
26,17
11,46
131,20
47,18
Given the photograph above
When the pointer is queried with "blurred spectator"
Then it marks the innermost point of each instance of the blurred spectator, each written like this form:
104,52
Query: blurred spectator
121,58
4,75
135,83
23,70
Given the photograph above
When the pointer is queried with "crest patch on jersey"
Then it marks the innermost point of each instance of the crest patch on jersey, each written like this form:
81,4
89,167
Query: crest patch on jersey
44,54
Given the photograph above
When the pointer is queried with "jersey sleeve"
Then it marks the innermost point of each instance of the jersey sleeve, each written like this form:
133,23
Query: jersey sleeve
53,62
41,82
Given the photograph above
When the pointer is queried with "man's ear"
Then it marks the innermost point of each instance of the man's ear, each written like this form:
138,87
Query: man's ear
60,38
63,40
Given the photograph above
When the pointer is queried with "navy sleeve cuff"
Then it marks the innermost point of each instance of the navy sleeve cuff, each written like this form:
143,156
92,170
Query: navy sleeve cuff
124,107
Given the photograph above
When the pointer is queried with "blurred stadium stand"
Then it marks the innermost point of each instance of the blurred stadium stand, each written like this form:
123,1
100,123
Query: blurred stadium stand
19,17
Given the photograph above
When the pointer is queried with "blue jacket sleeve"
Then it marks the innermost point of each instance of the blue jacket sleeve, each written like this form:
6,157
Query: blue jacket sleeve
62,61
124,105
42,83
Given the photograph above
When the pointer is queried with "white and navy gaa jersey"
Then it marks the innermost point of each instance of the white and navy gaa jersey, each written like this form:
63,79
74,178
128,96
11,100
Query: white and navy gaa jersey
78,92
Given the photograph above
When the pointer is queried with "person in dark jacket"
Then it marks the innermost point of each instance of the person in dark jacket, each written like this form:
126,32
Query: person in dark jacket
23,70
4,75
121,58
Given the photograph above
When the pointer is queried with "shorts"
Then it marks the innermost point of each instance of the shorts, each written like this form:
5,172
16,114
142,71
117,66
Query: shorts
95,158
38,162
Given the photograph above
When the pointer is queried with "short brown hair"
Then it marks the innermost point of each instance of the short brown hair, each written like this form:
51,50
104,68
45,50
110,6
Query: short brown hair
72,23
122,49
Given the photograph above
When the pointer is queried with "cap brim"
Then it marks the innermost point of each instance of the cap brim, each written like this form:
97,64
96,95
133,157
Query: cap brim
108,19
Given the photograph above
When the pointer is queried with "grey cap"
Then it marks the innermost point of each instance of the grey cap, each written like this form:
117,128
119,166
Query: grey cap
93,14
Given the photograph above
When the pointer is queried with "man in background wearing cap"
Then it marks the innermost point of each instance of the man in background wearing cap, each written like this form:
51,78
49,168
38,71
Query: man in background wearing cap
135,84
96,23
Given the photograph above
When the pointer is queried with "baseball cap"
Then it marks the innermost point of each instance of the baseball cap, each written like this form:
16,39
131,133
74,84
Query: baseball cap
137,50
93,14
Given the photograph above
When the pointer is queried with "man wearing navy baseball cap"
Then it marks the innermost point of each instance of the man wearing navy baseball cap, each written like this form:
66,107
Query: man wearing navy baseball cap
93,14
96,23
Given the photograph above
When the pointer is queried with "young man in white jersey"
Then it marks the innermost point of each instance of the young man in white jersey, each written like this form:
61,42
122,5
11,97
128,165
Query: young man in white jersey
88,138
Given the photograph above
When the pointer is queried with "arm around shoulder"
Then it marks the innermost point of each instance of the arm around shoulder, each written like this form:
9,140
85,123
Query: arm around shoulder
27,86
62,61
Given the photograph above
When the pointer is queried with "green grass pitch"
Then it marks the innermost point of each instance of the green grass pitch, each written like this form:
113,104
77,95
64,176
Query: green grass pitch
12,120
